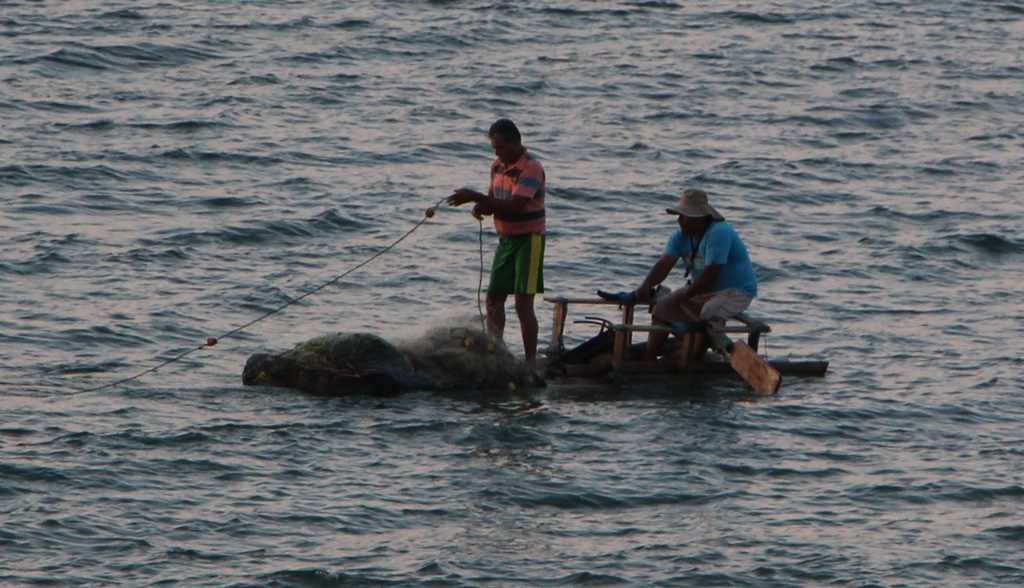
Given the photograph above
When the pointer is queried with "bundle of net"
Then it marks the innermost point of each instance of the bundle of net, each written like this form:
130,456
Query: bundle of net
467,357
351,351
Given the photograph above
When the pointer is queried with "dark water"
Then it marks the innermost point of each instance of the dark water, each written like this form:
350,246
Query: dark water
173,170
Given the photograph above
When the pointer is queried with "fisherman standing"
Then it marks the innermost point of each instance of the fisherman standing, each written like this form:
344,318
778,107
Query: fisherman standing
723,283
515,198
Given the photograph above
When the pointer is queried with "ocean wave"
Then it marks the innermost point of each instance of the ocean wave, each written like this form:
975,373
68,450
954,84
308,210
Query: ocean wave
759,17
257,232
29,474
84,367
196,555
334,56
182,126
993,243
99,125
837,64
76,57
321,577
350,24
173,256
183,154
73,176
123,14
153,54
952,246
584,11
256,80
1013,533
121,57
295,24
103,336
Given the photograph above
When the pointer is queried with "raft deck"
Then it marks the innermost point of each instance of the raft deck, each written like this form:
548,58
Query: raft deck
623,349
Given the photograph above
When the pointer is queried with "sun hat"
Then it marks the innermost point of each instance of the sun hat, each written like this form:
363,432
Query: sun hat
694,204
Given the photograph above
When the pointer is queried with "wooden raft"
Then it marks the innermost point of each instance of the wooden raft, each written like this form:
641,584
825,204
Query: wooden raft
741,324
623,333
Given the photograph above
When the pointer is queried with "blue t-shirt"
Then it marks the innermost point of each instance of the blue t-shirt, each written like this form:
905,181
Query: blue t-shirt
720,245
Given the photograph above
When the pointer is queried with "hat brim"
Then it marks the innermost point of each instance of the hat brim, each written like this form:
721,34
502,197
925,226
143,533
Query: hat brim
696,213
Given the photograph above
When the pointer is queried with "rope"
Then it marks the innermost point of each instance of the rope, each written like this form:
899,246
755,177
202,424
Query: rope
480,282
211,341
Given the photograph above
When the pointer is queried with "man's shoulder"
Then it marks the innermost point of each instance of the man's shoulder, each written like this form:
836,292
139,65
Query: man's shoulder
675,242
528,167
531,160
723,228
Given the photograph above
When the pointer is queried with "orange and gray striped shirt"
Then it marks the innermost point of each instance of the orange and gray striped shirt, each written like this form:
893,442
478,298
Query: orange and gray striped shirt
522,179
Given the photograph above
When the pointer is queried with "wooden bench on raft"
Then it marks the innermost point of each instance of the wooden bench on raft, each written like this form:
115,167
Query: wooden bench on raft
624,330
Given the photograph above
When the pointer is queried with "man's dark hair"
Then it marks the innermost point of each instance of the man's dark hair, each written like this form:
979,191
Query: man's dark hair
505,130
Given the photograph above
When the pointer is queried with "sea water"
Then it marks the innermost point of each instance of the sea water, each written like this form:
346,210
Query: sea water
170,171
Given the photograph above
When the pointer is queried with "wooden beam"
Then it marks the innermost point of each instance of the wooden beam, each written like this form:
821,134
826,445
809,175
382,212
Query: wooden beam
558,326
672,371
620,349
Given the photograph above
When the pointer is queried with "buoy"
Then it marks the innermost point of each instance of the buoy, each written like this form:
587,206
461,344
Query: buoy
211,341
430,212
511,386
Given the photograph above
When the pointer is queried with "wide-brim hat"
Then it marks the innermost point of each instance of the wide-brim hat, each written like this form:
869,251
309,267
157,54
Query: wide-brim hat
694,204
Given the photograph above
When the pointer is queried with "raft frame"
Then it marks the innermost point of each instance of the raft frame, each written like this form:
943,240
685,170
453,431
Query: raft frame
622,362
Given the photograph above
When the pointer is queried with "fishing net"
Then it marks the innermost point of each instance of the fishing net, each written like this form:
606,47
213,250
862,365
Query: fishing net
466,357
353,351
443,357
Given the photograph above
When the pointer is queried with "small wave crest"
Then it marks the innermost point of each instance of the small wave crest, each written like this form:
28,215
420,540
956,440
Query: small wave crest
993,243
121,57
268,232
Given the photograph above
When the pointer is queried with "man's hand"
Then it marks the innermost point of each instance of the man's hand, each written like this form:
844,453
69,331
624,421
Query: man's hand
464,195
479,211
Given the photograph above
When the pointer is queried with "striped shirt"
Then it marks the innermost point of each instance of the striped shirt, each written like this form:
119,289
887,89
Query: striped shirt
522,179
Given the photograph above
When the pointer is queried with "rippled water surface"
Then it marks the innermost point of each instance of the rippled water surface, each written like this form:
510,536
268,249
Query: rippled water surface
171,171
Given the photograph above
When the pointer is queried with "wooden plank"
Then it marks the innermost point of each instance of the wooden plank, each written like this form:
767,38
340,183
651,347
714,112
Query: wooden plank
810,368
753,323
756,328
558,326
627,319
663,329
763,378
566,299
620,349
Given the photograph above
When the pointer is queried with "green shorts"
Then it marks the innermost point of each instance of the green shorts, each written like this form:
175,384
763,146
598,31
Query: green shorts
518,266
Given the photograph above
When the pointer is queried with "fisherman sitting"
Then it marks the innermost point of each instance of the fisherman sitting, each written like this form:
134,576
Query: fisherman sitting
723,283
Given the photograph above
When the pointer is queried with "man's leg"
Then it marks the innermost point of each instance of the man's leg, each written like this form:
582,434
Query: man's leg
529,282
688,348
528,324
496,314
666,311
502,282
655,341
713,308
723,305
